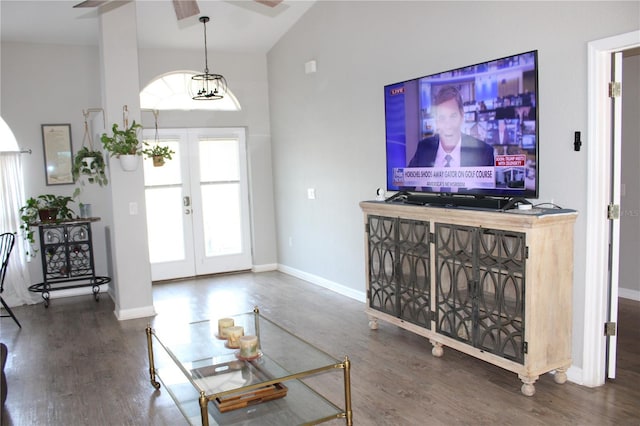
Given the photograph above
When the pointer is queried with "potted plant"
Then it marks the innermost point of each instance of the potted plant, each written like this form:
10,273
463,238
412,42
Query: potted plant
124,144
91,164
158,152
44,208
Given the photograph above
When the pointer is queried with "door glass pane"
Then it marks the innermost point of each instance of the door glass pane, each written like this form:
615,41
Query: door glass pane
164,224
222,226
163,195
219,160
220,191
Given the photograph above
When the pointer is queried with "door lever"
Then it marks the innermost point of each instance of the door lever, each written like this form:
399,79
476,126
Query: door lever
186,201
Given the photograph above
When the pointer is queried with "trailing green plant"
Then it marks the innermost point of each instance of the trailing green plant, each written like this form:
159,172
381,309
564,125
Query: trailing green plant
157,150
94,169
123,142
30,213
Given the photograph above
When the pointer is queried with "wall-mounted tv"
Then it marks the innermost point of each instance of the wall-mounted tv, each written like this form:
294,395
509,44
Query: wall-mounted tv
468,131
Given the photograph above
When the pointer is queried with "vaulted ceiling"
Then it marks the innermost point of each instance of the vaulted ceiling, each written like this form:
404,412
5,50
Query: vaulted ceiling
236,25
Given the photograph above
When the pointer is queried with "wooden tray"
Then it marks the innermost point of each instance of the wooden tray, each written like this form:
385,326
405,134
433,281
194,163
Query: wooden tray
256,396
232,375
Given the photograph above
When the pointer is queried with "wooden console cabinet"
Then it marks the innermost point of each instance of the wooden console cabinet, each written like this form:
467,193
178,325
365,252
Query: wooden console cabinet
495,285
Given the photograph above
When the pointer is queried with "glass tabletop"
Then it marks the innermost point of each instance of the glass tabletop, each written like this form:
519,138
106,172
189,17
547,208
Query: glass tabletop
214,368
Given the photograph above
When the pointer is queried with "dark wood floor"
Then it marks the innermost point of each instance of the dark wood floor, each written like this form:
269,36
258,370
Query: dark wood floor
75,364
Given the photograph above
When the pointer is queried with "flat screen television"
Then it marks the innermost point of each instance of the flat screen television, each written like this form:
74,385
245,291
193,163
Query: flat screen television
471,131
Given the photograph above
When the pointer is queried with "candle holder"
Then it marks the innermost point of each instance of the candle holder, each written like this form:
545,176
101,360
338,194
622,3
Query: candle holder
233,336
223,324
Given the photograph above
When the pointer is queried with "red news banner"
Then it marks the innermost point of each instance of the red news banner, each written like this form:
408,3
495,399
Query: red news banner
518,160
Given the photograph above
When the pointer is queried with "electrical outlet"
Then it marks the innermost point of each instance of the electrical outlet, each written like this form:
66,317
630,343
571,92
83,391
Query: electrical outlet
311,193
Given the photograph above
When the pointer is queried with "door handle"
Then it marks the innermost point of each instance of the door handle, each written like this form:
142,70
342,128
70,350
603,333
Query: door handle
186,201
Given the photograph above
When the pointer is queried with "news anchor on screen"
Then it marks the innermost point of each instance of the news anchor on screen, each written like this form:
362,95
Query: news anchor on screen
449,147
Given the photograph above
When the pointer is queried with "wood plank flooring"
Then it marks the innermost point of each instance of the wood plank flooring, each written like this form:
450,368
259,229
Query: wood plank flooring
76,364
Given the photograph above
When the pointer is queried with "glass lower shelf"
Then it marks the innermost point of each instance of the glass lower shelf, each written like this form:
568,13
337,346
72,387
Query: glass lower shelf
301,405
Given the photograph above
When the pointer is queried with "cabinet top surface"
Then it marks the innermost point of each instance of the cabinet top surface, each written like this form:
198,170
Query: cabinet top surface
67,221
494,217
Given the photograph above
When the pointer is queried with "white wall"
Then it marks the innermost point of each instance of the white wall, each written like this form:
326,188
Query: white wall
328,127
53,84
630,179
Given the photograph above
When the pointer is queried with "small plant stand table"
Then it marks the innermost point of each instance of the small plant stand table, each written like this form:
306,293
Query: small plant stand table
66,250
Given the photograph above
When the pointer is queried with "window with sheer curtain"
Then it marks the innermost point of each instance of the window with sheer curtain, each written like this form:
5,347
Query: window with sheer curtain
17,280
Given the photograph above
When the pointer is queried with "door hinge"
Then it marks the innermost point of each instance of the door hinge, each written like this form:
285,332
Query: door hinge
525,347
613,211
366,228
609,329
615,89
526,252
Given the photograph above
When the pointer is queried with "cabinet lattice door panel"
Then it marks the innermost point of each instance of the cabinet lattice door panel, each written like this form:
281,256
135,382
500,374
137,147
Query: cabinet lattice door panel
67,251
480,288
399,268
455,279
414,272
382,255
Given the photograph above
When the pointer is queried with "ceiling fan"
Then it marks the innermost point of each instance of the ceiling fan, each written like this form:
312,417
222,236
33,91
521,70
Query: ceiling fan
184,8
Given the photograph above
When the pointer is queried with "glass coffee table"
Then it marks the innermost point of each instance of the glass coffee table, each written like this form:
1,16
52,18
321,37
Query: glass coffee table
212,384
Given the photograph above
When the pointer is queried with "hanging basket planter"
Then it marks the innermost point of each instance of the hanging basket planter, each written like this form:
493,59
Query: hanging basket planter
124,144
158,161
158,152
129,162
87,162
90,164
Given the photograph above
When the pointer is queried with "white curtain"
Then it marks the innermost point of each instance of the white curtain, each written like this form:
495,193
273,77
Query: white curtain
17,280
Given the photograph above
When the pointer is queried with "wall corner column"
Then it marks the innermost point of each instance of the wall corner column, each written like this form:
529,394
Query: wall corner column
128,234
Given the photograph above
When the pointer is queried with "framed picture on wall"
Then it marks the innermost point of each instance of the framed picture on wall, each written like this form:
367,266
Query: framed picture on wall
58,157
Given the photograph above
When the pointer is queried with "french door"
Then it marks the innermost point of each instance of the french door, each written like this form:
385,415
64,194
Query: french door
197,203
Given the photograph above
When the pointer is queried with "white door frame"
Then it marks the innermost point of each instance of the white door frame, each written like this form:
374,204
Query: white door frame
598,196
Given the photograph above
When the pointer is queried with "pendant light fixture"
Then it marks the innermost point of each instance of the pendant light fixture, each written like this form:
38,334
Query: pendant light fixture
207,87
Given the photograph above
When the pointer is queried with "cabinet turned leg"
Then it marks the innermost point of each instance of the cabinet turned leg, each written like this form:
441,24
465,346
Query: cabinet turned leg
437,349
561,375
373,323
528,389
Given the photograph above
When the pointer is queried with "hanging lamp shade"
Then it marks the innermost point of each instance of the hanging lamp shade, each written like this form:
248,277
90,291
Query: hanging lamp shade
207,86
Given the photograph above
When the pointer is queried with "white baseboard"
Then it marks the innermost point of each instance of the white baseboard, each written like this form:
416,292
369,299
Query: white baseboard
265,268
360,296
574,375
127,314
629,294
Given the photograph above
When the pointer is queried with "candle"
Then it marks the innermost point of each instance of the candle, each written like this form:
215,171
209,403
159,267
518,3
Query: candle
248,346
233,336
224,323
